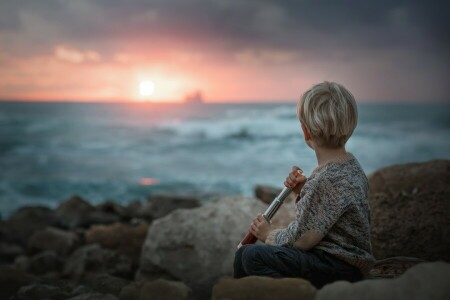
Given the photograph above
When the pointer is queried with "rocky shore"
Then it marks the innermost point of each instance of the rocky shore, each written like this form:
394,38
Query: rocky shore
180,248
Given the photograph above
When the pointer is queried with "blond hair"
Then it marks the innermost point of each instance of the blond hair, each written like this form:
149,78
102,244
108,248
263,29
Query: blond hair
328,110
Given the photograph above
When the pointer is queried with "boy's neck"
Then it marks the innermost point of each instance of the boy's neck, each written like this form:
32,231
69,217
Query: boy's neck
325,155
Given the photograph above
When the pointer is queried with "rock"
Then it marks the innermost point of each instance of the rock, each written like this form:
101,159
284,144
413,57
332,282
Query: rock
76,212
45,262
392,267
24,222
53,239
126,239
261,288
161,205
266,193
112,207
11,279
93,258
105,283
39,291
132,291
423,281
411,200
162,289
197,245
94,296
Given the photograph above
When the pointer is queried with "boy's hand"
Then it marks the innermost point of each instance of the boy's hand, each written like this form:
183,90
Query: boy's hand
260,228
295,180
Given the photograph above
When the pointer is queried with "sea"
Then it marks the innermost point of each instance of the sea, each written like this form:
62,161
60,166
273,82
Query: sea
126,152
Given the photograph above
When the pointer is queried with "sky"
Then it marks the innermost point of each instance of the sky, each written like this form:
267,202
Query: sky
248,50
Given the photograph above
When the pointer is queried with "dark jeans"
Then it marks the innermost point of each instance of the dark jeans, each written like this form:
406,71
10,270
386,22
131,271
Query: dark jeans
315,265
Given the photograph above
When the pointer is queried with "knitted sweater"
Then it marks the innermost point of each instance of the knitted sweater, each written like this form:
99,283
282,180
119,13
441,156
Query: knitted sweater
334,202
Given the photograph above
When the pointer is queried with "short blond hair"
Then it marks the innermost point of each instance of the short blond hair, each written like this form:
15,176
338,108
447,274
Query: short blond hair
328,110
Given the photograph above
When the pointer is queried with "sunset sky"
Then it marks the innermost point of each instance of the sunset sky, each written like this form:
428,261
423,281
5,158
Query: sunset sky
138,50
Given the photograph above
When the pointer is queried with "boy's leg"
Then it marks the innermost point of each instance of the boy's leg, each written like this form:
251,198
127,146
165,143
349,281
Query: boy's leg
268,260
274,261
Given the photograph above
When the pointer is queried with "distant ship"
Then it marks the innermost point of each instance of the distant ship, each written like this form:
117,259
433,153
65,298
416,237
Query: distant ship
194,98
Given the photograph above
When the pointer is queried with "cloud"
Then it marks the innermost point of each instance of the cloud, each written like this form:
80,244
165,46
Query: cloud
75,56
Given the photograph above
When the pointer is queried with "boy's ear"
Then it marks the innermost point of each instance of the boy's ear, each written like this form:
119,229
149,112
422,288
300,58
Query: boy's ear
306,133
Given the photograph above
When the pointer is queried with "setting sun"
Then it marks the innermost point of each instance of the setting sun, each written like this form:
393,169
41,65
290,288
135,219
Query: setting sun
146,88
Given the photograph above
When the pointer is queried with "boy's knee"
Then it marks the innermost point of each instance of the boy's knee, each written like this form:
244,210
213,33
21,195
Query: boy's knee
251,257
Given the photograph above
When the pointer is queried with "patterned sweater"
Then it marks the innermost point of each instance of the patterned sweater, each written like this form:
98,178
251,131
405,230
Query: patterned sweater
334,202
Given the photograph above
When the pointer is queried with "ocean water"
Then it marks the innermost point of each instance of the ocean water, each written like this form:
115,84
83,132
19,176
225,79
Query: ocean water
125,152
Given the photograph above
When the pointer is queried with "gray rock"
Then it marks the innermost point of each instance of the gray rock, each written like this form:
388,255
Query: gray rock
39,291
53,239
263,288
105,283
161,205
411,200
162,289
197,245
45,262
424,281
93,258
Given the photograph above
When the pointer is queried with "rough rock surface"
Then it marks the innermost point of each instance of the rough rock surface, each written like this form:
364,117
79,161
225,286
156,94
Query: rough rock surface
93,258
126,239
53,239
161,205
131,291
423,281
162,289
94,296
410,208
262,288
197,245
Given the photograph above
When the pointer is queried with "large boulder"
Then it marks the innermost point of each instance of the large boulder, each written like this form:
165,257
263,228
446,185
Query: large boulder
53,239
198,245
263,288
93,258
410,205
423,281
76,212
126,239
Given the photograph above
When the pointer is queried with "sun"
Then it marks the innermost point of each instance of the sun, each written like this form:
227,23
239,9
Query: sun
146,88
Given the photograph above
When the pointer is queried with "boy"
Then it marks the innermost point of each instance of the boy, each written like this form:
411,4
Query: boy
330,237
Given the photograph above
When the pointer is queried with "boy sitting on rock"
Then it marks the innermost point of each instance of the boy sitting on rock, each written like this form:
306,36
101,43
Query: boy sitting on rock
330,237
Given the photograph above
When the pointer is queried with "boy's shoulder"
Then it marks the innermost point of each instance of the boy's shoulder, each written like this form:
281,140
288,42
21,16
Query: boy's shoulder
340,175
